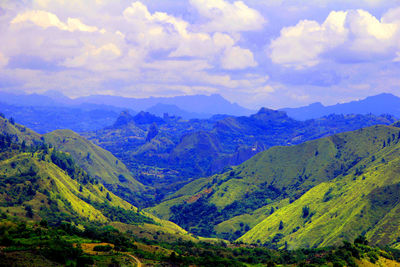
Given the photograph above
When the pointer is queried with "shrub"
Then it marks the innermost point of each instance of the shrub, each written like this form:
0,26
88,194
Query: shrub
102,248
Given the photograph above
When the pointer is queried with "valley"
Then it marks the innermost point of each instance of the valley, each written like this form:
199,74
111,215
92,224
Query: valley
265,182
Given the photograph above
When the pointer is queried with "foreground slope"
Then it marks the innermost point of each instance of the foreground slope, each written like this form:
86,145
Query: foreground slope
41,183
348,173
366,200
96,161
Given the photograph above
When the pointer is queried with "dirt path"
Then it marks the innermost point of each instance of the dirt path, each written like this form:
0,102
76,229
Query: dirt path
138,263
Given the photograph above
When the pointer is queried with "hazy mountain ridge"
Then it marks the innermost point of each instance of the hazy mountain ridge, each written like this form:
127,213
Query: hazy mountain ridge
379,104
42,113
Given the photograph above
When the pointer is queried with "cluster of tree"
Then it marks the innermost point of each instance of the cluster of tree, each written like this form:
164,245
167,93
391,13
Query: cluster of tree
118,214
67,163
200,216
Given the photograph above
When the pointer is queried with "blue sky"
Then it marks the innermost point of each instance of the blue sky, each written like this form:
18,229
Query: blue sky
273,53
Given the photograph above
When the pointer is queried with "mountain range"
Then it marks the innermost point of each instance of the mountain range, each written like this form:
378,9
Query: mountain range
40,112
166,151
379,104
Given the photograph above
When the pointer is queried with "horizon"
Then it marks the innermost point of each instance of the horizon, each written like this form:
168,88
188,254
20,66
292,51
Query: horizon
253,109
278,54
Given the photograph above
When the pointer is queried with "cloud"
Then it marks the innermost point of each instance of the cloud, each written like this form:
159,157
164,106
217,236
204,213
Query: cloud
237,58
228,17
46,19
350,36
300,46
95,58
161,31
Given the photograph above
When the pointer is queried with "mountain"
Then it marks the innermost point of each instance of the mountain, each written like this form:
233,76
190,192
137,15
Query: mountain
27,100
161,109
44,119
314,194
166,151
42,112
377,105
213,104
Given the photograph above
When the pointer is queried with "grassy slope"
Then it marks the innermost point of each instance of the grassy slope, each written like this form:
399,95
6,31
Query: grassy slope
295,170
93,159
21,131
63,190
101,164
344,208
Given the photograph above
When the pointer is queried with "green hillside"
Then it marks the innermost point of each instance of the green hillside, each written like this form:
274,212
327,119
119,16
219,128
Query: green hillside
39,182
365,201
19,131
277,184
97,162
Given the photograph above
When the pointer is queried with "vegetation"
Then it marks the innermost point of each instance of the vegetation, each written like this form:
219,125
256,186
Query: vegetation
341,192
68,245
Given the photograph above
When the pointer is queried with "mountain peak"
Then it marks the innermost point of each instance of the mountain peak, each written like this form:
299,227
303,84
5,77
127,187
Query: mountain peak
123,119
270,114
144,117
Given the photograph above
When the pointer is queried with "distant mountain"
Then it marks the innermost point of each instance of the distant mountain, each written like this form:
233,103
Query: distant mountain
213,104
377,105
28,100
42,113
44,119
161,109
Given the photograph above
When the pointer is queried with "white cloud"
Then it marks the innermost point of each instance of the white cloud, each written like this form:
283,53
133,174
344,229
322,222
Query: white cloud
370,34
228,17
354,33
46,19
237,58
95,58
301,45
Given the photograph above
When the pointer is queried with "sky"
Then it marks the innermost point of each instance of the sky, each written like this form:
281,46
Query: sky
271,53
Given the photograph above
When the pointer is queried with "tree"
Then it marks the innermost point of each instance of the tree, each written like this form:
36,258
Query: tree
153,131
280,225
361,240
12,121
23,145
306,211
272,210
29,211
